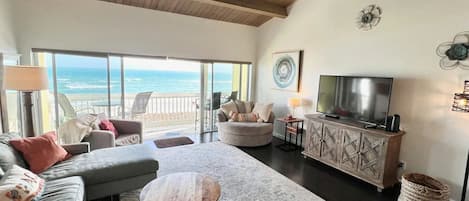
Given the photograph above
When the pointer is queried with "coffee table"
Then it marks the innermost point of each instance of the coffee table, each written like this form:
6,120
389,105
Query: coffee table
187,186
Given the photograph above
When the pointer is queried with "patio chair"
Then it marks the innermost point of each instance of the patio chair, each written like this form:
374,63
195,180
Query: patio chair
68,110
140,104
233,96
215,103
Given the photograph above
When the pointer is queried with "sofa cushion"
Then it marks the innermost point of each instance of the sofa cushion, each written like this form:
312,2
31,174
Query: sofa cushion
127,139
40,152
69,188
229,107
19,184
8,155
106,165
245,128
244,106
264,110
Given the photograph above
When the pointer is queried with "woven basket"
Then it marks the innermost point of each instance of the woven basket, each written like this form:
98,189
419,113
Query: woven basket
419,187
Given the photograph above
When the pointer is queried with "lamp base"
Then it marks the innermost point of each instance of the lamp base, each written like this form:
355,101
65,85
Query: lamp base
28,114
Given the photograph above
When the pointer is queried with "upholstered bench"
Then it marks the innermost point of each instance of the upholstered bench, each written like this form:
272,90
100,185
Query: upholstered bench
108,171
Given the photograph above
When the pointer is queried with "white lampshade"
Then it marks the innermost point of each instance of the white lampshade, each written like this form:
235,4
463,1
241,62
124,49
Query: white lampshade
294,102
25,78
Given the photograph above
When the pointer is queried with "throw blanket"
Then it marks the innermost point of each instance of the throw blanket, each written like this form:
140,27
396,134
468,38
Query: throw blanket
74,130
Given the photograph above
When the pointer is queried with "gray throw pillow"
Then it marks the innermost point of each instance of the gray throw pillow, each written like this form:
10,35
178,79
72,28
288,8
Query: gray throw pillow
8,155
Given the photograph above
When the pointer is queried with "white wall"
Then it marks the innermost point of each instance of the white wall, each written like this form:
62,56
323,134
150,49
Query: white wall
91,25
401,46
7,37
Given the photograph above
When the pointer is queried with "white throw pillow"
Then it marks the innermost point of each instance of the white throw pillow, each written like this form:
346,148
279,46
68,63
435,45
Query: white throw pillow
263,110
229,107
19,184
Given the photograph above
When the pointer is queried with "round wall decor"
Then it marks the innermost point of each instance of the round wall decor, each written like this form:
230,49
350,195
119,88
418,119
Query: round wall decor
369,17
284,71
456,53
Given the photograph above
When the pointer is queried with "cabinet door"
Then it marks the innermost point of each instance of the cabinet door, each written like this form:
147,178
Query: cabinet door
330,143
349,156
313,138
371,158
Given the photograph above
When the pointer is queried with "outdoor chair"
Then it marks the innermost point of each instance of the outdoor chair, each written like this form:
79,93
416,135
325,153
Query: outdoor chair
213,105
67,108
139,106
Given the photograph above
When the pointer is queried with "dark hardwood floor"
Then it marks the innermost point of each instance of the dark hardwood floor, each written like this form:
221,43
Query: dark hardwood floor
322,180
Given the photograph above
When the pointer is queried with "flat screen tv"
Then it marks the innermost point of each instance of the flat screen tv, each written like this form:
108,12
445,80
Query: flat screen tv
364,99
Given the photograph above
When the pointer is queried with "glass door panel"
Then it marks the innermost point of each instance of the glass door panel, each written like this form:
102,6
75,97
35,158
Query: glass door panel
207,99
173,105
81,84
245,79
116,88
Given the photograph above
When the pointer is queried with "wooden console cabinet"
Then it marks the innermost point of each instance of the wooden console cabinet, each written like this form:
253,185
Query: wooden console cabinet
371,155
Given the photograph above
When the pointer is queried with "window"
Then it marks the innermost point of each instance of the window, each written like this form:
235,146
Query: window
167,95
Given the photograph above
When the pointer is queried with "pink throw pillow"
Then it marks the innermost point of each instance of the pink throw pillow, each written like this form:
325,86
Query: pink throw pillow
40,152
108,126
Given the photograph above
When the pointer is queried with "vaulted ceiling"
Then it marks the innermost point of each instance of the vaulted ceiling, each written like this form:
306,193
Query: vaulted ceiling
248,12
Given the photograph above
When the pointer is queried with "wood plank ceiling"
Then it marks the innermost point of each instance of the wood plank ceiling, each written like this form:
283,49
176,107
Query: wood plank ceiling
248,12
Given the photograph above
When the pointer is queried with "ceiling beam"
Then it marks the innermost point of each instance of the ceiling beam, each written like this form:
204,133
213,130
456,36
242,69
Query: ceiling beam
253,6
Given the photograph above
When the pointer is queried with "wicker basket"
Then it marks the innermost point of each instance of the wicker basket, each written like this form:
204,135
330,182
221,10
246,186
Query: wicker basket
419,187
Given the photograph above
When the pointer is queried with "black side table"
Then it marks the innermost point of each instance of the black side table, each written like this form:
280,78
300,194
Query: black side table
292,127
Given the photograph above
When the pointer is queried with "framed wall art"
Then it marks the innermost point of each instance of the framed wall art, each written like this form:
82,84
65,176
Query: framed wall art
286,70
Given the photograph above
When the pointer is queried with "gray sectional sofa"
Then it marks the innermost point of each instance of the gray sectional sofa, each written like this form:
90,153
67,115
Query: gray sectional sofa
89,175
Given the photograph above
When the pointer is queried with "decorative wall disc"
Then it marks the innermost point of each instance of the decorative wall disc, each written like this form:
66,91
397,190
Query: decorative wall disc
456,53
369,17
284,71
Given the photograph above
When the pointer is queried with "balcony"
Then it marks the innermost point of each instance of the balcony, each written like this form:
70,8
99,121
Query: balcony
165,114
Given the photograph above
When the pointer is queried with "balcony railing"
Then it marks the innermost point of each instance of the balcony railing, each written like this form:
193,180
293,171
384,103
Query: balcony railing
163,109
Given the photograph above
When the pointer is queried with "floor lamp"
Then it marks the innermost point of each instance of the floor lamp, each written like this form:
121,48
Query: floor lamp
26,79
461,104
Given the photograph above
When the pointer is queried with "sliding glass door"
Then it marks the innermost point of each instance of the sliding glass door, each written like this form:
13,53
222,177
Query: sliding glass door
170,96
78,84
223,82
162,93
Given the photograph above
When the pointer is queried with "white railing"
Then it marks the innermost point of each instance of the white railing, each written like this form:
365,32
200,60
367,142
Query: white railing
163,109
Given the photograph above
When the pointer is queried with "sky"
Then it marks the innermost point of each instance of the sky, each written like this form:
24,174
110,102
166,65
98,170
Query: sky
132,63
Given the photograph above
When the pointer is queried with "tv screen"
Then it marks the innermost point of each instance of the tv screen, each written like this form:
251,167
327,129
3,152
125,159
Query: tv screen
359,98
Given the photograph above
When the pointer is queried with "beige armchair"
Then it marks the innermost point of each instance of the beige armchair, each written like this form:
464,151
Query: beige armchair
130,132
244,134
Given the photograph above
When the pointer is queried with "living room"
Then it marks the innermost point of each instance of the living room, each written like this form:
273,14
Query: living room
403,44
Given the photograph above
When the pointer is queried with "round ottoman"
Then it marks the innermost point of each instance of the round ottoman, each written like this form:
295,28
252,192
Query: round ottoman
182,186
245,134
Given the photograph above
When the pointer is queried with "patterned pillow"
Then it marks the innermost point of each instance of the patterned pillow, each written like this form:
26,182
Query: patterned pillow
19,184
243,117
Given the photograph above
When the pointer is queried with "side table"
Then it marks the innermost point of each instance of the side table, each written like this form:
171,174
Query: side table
293,126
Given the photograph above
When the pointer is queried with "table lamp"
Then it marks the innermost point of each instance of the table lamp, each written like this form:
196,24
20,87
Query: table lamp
26,79
294,103
461,104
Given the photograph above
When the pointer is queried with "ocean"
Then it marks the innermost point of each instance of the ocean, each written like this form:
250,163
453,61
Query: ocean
75,80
